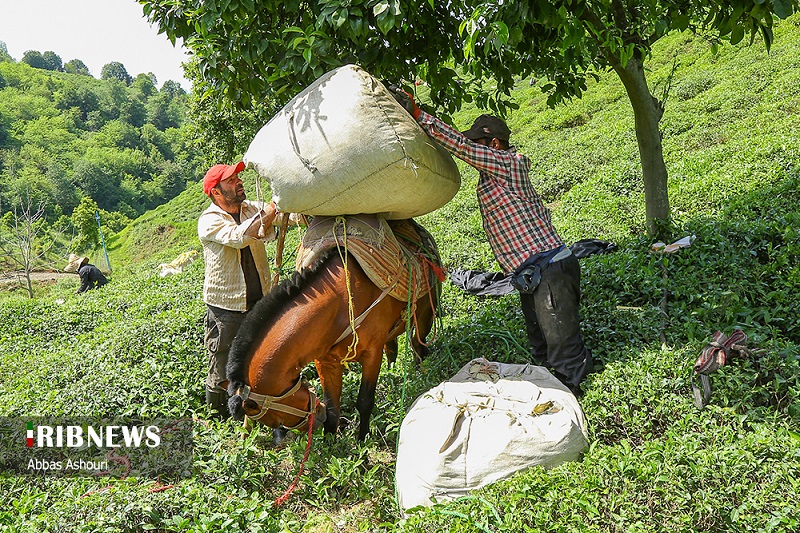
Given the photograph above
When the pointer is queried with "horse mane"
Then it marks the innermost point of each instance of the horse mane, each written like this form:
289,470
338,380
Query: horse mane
263,313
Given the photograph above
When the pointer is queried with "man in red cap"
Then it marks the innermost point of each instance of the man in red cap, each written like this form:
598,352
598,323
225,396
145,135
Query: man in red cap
523,240
233,231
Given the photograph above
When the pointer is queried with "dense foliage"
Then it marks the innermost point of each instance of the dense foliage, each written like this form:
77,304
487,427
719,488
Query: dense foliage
116,147
65,136
655,462
253,49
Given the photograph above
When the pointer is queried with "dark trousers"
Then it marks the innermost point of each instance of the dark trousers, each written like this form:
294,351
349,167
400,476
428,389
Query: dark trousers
553,322
221,326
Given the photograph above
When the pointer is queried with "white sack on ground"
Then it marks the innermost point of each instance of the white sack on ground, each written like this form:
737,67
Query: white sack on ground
488,422
177,265
345,146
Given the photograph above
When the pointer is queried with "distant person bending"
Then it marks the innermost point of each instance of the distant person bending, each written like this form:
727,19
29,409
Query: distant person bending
233,232
91,277
523,240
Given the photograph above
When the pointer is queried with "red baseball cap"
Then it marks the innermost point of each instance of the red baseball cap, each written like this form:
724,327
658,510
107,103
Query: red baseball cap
219,173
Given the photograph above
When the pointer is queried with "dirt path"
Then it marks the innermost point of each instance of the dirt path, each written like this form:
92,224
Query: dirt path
16,278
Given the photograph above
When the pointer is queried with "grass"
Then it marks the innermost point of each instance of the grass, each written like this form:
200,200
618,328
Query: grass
161,234
655,463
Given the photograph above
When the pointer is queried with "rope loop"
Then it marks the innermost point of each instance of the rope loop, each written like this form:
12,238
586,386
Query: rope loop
351,350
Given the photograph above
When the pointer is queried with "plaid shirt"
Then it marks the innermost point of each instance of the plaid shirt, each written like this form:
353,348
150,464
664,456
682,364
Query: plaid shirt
515,219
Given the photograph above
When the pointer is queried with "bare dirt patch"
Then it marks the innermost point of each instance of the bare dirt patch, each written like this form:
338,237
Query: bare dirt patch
9,280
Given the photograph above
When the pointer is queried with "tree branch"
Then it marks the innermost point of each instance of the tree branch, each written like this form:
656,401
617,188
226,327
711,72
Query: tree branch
618,8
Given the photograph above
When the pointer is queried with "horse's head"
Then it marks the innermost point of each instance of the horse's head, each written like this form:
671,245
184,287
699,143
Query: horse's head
293,409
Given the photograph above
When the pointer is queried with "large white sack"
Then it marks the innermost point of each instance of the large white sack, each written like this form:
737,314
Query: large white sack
345,146
480,427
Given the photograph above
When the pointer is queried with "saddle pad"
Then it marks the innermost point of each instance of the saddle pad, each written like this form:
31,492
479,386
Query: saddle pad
402,263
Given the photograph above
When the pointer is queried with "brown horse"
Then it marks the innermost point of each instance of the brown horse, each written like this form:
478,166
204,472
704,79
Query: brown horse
303,320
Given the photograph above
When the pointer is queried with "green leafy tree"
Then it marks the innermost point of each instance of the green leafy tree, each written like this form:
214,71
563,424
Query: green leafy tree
115,221
157,142
125,211
118,134
5,125
48,138
133,112
114,95
222,131
34,59
219,128
115,71
455,47
28,186
85,224
4,55
76,66
144,86
98,182
172,89
52,61
79,96
65,194
164,112
170,181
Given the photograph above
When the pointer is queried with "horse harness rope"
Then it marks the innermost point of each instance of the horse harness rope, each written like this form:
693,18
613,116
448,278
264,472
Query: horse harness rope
266,402
360,318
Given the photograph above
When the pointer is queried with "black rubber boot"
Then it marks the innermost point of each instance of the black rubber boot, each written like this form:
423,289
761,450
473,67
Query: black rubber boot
218,400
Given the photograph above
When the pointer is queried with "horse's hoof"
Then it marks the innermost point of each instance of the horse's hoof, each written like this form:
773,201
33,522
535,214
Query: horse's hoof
280,436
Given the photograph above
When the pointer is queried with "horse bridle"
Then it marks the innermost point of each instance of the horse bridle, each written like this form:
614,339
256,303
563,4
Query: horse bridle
266,402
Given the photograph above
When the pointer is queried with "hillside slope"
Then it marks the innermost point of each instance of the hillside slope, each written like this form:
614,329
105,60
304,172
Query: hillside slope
66,136
655,462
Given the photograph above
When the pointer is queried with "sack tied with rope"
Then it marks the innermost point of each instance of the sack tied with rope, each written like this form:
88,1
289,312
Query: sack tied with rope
345,146
484,424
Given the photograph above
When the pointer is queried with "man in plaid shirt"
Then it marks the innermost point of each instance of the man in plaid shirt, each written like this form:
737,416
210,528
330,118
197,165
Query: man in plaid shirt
523,240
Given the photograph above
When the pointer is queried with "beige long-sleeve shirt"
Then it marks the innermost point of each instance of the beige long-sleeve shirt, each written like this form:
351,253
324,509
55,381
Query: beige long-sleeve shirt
223,240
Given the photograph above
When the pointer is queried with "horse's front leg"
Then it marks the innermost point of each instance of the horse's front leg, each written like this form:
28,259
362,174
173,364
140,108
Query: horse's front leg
370,368
330,375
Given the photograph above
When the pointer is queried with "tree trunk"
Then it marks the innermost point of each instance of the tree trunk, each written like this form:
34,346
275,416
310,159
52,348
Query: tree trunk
647,111
29,284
